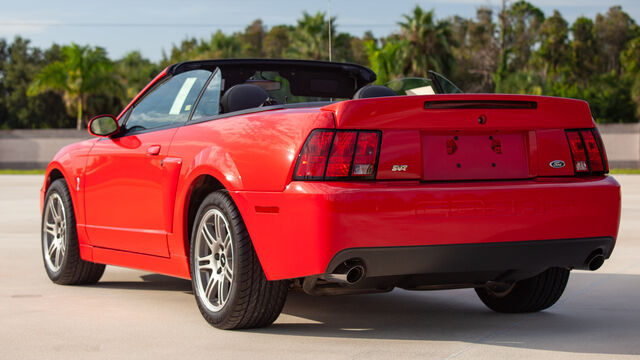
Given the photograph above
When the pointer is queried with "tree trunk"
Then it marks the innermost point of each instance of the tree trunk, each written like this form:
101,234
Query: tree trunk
79,115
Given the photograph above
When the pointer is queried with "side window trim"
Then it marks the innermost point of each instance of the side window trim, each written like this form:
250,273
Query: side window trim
204,89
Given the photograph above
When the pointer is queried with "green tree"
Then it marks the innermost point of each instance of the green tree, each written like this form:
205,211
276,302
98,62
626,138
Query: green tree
134,72
253,39
613,31
631,65
554,47
476,51
277,41
386,61
222,46
3,91
519,25
186,49
81,72
310,39
429,43
22,62
584,50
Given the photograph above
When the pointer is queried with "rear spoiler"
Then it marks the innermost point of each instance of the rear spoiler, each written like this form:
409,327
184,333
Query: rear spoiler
462,112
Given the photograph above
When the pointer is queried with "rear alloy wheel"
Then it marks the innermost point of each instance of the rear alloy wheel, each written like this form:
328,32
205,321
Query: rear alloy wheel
229,285
529,295
60,249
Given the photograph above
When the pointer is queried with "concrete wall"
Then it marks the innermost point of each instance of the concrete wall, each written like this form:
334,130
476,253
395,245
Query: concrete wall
33,149
622,142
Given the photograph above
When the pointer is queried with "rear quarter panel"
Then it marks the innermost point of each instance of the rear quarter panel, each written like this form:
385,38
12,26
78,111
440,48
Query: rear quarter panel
252,152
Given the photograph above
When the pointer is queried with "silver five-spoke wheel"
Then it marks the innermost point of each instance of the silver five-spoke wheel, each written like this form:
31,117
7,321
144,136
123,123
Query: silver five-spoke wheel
53,235
230,287
60,245
214,266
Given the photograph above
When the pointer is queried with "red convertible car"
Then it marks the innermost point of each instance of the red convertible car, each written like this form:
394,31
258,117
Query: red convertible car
250,177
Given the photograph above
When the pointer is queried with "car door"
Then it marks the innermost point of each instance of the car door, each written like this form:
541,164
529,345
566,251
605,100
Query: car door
129,179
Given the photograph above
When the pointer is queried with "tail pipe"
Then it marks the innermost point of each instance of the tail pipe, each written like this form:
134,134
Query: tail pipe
595,260
342,281
347,273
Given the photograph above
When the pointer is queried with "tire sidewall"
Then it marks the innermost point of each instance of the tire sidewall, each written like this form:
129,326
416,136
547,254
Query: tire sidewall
60,188
216,201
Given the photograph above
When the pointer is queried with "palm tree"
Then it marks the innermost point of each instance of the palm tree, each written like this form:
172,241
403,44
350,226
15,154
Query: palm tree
134,71
311,37
83,71
385,61
429,43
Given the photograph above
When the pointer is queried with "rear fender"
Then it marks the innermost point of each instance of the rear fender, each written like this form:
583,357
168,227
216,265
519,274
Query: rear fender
211,161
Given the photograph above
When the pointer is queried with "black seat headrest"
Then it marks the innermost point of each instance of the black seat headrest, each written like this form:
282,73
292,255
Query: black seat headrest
372,91
242,97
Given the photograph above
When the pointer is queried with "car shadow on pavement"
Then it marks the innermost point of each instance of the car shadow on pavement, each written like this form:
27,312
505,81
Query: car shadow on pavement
150,282
599,313
586,320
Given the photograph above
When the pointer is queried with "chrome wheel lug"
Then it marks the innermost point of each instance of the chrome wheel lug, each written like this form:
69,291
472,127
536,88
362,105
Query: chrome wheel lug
216,256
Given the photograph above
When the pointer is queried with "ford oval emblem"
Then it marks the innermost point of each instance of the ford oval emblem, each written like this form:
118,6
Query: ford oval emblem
557,164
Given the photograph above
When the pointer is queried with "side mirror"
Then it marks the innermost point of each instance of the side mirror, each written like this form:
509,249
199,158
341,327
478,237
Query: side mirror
103,125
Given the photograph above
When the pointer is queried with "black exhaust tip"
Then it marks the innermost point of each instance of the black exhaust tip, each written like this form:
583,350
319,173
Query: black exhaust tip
355,274
595,262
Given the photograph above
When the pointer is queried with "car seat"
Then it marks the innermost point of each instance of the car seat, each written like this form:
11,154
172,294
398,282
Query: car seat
242,97
372,91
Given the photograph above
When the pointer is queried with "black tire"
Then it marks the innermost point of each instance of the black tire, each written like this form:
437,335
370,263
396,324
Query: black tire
252,300
70,269
530,295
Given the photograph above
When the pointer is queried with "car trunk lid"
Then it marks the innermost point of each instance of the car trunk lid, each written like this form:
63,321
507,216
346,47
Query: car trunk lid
468,136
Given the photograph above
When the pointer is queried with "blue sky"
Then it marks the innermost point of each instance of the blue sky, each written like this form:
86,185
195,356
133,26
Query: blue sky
151,26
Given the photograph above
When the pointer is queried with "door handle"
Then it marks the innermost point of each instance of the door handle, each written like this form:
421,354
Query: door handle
153,150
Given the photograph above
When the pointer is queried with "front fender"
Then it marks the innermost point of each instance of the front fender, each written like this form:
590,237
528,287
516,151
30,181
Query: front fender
70,162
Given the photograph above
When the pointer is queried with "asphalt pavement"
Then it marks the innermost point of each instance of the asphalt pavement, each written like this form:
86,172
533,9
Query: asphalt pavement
132,314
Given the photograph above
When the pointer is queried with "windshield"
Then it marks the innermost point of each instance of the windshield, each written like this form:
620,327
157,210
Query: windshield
412,86
436,84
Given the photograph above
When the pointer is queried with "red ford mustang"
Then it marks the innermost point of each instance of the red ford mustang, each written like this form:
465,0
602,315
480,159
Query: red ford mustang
252,176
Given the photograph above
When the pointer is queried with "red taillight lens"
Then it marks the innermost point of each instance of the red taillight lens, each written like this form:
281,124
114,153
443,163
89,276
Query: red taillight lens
577,150
603,152
338,155
341,154
313,158
592,150
364,161
587,151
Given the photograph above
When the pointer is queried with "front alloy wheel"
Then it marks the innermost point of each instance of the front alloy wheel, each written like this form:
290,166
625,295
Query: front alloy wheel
60,248
53,234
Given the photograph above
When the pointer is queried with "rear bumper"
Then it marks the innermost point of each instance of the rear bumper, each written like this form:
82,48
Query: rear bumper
465,258
305,229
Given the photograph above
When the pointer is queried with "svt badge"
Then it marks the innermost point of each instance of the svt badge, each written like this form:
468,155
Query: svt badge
399,168
557,164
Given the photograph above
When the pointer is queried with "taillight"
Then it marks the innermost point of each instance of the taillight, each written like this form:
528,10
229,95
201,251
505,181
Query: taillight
364,160
587,151
338,155
341,154
313,160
